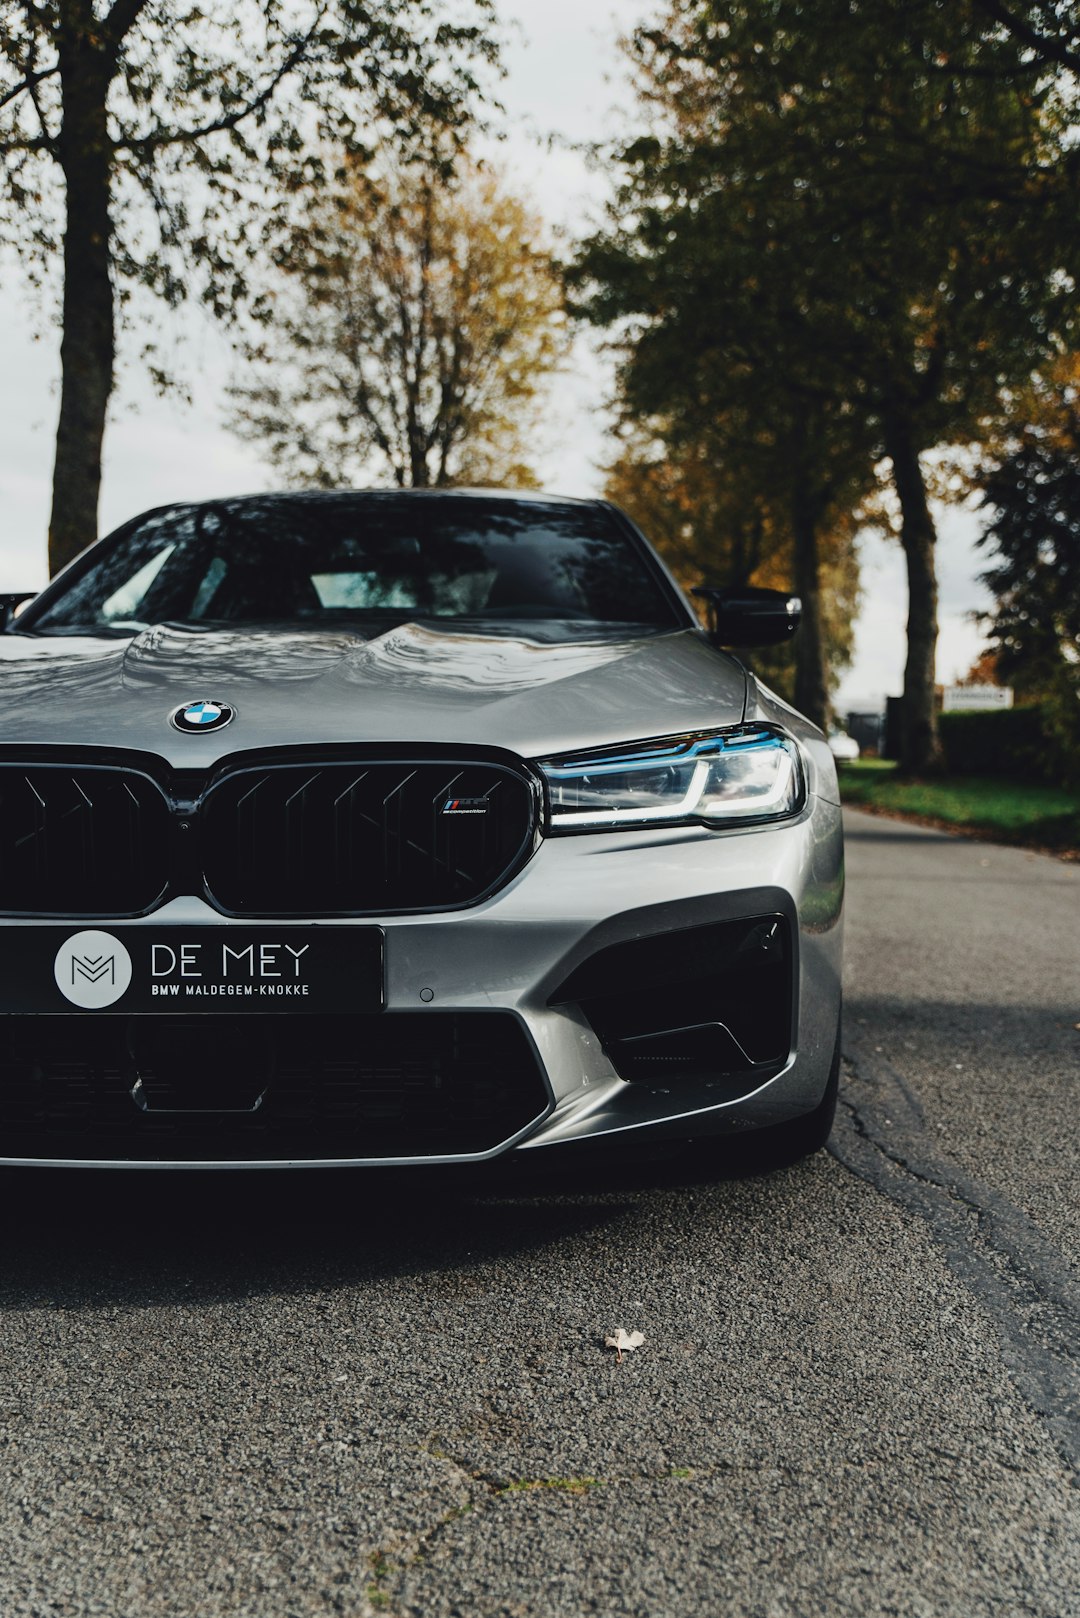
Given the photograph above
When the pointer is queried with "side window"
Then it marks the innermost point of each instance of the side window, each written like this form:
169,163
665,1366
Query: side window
124,603
128,583
208,587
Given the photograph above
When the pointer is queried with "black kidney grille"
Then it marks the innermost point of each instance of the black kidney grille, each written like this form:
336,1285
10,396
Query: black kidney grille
363,837
287,838
84,840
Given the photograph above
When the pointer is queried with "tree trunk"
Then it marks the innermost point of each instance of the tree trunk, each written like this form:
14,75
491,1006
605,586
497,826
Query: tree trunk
920,748
811,685
87,349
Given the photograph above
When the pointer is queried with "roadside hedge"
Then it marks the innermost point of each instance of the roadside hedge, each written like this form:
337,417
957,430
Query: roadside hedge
1008,741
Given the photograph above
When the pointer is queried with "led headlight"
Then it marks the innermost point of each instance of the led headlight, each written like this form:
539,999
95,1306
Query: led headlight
746,774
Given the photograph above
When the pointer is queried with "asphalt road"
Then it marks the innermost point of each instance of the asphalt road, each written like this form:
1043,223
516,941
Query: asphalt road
858,1392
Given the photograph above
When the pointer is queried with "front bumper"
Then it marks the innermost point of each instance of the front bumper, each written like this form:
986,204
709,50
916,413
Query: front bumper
578,896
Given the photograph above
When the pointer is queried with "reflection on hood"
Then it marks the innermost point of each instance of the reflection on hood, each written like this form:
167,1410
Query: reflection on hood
486,666
530,689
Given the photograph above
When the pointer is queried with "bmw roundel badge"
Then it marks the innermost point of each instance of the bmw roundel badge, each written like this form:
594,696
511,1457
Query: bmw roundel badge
195,717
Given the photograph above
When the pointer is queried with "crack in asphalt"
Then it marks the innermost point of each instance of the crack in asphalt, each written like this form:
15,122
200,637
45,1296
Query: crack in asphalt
1017,1277
482,1489
391,1563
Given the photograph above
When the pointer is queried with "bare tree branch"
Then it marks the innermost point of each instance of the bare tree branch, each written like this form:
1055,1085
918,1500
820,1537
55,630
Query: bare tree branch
30,83
29,143
32,76
1051,47
38,17
415,325
122,17
32,87
142,145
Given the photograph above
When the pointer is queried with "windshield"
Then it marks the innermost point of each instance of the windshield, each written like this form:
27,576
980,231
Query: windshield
381,559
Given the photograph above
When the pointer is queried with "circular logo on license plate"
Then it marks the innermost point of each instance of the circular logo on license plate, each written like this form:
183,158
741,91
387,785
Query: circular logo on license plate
92,969
195,717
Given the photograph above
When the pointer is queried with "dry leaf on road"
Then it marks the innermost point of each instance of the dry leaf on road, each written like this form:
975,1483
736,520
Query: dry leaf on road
624,1340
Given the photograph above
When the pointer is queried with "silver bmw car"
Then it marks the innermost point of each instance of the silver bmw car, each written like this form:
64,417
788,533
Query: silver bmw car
404,828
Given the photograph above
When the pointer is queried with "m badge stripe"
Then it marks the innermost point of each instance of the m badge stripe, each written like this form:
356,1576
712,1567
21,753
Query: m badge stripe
466,806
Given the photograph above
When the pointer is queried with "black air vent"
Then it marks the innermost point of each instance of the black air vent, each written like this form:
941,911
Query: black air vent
364,837
220,1089
706,1003
84,840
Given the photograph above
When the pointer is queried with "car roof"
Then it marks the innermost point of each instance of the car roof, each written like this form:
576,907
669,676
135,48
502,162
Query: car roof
287,496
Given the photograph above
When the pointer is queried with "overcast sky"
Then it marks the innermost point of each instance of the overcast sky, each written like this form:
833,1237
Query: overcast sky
564,81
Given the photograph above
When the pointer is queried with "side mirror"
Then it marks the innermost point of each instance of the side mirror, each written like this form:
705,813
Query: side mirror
751,617
9,601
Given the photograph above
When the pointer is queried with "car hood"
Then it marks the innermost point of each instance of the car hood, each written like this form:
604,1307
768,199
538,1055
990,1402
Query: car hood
416,683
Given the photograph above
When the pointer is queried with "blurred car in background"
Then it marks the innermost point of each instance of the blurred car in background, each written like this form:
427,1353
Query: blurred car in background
844,748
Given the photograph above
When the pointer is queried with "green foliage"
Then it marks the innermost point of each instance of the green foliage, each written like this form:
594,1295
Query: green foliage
1048,30
148,142
841,592
1033,493
711,523
849,226
204,101
1016,742
1005,810
868,185
416,316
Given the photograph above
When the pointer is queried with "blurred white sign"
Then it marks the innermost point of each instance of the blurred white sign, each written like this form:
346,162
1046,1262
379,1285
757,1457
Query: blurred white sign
959,698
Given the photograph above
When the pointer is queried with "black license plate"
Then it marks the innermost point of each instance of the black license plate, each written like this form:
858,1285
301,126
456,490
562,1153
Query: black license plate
234,967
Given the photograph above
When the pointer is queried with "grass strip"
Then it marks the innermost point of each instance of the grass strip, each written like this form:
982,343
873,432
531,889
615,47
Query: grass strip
995,807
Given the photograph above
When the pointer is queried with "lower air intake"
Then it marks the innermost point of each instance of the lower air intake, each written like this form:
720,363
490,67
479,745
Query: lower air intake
220,1089
712,1003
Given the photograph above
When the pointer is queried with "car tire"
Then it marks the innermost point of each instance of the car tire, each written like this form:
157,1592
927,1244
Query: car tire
801,1137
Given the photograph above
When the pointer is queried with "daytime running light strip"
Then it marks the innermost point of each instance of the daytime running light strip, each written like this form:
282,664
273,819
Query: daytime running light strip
628,817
